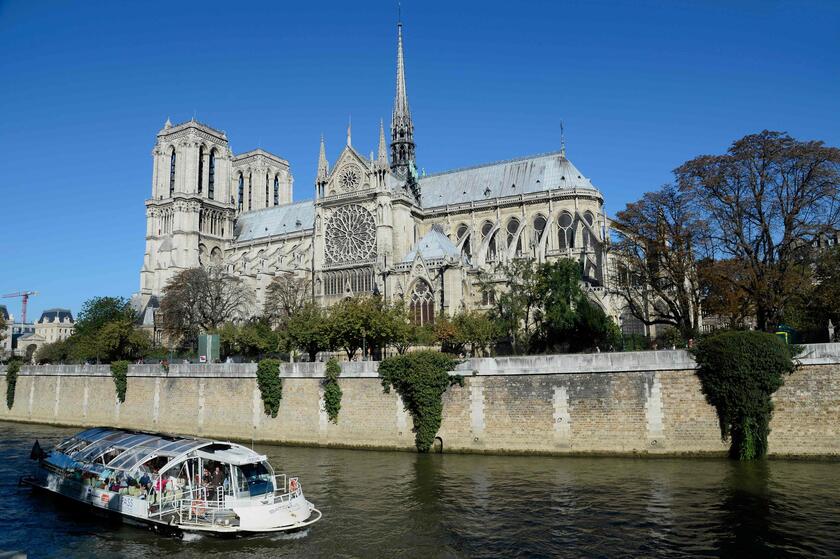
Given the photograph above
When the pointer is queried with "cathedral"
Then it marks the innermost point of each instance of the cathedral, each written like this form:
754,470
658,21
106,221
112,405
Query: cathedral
375,226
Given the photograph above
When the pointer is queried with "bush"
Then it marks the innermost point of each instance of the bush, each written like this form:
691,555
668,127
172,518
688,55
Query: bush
119,370
12,370
271,385
332,391
739,372
420,379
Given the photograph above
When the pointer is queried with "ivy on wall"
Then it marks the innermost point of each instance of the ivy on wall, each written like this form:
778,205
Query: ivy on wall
271,385
739,372
12,370
421,378
119,371
332,391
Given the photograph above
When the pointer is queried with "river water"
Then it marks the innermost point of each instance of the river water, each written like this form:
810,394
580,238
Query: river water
399,504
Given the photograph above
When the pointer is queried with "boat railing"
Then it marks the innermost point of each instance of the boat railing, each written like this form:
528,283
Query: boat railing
286,491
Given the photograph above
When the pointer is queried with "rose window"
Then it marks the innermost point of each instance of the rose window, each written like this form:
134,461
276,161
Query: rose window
350,235
349,178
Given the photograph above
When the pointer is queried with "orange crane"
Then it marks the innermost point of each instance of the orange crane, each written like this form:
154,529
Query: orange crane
25,295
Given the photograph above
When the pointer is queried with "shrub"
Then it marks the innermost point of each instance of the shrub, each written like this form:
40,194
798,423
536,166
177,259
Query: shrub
332,391
420,379
12,370
739,372
271,385
119,370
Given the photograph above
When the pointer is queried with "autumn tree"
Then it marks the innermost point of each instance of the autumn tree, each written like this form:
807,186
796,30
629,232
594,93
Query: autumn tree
763,200
285,296
656,240
722,297
202,299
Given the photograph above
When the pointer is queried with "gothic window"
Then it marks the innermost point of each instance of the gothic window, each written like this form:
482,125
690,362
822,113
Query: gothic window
461,231
566,233
276,190
488,296
486,228
350,178
211,174
512,229
200,167
350,235
241,190
250,189
590,219
422,304
539,227
266,190
172,172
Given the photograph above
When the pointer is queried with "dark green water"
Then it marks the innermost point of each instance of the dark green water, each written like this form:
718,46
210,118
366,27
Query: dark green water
380,504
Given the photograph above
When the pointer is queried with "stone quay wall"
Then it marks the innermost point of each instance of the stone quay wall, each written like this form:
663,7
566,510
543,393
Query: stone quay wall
606,403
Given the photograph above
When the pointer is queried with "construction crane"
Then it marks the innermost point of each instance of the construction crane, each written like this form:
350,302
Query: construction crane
25,295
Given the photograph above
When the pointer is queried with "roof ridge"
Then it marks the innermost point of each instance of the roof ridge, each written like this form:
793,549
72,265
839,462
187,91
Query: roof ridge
194,122
500,162
302,202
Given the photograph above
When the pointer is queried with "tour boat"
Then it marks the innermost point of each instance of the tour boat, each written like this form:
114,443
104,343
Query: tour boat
182,484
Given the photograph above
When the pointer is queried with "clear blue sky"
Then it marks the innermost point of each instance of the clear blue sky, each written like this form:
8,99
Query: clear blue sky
642,87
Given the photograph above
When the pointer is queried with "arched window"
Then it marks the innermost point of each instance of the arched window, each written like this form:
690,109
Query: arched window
486,228
422,305
566,233
250,189
590,219
539,227
200,168
241,190
211,175
276,190
461,231
512,229
172,173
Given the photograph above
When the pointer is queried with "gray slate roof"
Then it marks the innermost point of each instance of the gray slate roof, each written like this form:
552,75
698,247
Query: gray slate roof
55,315
277,220
536,173
433,246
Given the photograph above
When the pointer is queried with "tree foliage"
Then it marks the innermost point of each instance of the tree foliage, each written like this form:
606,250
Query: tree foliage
56,352
271,385
12,370
467,328
655,244
332,391
739,372
105,330
765,199
720,295
309,330
421,378
252,339
546,309
285,296
119,372
201,300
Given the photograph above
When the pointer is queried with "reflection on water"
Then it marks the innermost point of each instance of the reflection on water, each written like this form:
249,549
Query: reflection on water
380,504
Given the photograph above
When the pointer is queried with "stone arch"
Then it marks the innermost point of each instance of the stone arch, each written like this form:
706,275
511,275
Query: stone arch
422,302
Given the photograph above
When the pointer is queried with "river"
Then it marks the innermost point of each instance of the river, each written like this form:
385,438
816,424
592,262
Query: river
399,504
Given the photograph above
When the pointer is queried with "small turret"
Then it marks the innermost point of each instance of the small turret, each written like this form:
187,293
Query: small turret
323,170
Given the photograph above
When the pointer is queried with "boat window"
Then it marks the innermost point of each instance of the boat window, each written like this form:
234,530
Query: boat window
257,479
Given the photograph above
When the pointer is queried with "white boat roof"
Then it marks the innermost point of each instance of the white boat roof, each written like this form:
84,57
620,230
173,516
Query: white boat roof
135,448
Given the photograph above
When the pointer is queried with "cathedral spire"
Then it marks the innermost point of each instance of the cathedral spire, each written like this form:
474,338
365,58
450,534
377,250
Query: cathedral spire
402,129
323,166
382,156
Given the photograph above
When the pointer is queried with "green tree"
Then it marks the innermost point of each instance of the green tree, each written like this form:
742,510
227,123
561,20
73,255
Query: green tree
309,330
739,372
516,311
106,330
56,352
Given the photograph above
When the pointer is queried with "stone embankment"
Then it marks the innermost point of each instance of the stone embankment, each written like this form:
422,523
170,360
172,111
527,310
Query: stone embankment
606,403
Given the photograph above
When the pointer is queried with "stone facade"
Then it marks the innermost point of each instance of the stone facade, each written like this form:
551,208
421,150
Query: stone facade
629,403
54,325
376,225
